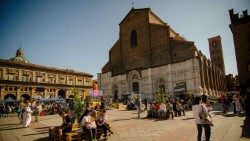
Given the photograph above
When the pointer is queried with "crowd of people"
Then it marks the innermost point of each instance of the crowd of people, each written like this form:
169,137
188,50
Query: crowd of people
172,107
236,100
28,108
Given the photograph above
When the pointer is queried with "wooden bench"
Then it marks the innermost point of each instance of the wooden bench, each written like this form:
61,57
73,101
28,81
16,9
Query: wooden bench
74,135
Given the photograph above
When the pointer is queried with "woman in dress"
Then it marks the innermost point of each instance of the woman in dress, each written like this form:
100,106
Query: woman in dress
27,115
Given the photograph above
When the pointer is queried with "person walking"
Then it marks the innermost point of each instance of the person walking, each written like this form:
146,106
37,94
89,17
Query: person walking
237,100
138,106
37,110
197,108
27,115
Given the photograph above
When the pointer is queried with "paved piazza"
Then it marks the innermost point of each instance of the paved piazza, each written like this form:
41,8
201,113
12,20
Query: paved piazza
127,127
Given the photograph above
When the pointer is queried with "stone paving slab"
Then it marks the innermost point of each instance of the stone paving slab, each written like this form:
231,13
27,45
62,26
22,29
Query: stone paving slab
127,127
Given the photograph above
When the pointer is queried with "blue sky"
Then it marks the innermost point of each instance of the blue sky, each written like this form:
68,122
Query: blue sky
77,34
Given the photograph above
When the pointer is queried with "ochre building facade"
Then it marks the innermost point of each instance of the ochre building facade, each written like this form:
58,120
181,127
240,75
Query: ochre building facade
150,56
20,79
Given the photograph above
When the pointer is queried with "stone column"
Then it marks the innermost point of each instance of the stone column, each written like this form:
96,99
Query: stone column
4,74
201,72
45,94
66,81
19,75
207,77
2,92
18,92
46,78
210,78
218,79
33,76
57,79
33,91
215,79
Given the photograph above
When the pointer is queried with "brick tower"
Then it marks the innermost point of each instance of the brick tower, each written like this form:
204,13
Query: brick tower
216,52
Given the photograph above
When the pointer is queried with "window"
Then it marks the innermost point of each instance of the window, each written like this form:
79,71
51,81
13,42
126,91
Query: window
214,43
133,39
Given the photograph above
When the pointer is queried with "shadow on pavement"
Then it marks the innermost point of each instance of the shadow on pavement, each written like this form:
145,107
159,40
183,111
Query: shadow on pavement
11,128
10,124
187,118
36,133
246,128
42,139
122,119
233,115
217,112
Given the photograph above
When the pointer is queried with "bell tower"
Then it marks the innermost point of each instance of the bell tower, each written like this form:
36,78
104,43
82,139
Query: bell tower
216,52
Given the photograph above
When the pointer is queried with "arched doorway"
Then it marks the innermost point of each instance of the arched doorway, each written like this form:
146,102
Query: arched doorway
134,82
135,87
116,95
9,97
62,94
115,92
25,97
71,96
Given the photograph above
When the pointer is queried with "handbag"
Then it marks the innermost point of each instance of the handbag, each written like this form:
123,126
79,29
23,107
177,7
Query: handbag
203,118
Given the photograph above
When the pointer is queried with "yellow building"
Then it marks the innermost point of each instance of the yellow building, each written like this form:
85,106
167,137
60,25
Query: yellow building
19,79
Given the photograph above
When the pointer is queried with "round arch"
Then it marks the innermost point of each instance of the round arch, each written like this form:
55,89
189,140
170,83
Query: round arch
115,91
25,97
61,93
10,96
134,82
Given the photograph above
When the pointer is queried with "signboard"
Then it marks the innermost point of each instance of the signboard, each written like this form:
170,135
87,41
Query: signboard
180,88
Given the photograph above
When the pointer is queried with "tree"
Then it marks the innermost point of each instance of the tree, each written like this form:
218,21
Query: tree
79,104
160,97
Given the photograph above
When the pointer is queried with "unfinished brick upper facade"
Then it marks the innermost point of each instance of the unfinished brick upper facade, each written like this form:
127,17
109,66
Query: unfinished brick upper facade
157,44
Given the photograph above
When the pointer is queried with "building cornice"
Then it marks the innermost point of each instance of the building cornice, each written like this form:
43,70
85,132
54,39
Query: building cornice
6,63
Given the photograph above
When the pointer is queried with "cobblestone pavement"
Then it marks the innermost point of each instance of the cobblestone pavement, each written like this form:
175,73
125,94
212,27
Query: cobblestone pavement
127,127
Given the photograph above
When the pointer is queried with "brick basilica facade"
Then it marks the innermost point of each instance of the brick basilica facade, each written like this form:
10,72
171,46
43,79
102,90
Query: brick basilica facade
149,56
19,79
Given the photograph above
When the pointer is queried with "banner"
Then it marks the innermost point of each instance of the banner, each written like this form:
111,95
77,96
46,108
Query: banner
96,93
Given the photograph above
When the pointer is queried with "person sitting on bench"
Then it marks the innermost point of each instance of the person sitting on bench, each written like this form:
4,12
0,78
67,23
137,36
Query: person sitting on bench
66,125
88,123
101,122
